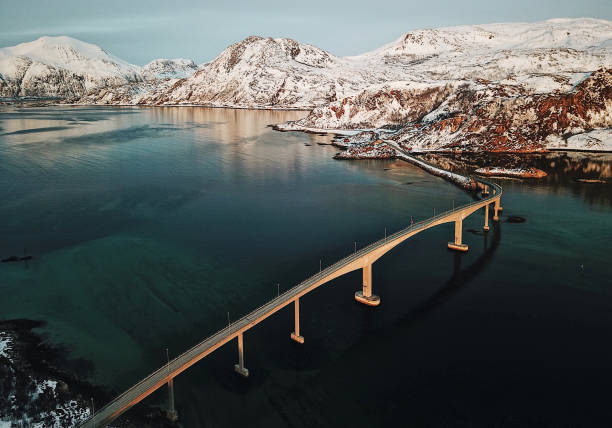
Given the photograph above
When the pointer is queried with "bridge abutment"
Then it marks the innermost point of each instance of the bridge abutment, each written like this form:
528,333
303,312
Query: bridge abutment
239,368
457,245
365,296
296,332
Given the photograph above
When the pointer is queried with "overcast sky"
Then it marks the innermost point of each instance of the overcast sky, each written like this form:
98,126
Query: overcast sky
139,31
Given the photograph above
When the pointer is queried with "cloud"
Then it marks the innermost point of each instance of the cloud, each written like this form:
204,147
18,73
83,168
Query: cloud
95,26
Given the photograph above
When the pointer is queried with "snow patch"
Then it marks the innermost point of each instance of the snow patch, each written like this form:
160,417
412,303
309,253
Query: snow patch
597,140
5,345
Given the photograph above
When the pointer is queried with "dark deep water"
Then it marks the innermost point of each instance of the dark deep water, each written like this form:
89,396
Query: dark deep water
148,225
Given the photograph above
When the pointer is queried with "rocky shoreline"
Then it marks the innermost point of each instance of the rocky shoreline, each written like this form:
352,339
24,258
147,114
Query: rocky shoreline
511,172
41,386
538,165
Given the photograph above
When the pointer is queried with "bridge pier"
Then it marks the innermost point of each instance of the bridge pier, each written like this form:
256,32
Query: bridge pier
497,207
365,296
239,368
171,413
457,245
485,191
486,225
296,332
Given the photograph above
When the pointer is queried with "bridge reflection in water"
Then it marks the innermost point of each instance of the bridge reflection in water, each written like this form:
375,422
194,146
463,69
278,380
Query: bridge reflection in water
361,259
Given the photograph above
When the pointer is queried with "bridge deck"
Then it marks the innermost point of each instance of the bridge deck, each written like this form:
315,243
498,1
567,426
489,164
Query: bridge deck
354,261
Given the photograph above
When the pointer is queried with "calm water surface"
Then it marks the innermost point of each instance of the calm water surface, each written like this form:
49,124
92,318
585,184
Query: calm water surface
148,226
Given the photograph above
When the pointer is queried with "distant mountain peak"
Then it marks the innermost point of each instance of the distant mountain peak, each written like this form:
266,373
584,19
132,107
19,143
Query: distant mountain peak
271,52
574,33
65,67
170,68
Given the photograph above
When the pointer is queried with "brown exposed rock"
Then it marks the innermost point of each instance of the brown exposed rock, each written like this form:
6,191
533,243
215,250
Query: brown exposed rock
377,149
387,107
497,118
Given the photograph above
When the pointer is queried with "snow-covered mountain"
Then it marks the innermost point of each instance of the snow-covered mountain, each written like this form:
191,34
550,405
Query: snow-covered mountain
60,67
424,78
483,87
264,72
178,68
68,68
543,57
579,34
488,117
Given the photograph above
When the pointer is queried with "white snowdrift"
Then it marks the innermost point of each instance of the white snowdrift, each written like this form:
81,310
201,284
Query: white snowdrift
597,140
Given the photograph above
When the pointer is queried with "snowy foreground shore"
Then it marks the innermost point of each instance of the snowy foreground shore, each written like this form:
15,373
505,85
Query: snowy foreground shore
40,387
32,391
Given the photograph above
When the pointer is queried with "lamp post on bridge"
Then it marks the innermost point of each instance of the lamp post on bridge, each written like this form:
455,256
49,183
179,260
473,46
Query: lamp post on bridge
93,413
172,415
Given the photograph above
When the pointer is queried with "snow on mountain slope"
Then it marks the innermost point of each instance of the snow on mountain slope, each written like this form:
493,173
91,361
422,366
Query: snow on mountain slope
596,140
72,54
68,68
483,117
387,105
532,52
476,87
480,116
266,72
497,75
579,34
170,68
260,72
60,66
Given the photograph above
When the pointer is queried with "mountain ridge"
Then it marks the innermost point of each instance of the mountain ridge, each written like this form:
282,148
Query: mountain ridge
68,68
421,78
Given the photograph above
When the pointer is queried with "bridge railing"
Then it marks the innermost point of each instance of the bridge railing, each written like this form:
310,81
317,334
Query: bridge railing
290,294
162,373
293,291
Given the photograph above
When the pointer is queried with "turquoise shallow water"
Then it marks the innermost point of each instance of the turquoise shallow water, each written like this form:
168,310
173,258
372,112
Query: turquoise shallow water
148,225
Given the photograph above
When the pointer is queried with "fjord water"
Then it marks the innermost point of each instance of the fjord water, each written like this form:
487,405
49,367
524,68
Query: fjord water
148,225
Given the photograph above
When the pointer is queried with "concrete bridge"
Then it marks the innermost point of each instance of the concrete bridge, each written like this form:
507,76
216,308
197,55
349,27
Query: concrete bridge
361,259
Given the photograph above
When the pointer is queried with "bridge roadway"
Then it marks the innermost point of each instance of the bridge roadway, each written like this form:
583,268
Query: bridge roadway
361,259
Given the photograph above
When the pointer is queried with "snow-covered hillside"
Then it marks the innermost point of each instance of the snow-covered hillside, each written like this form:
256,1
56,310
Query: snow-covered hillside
542,57
579,34
170,68
68,68
460,81
259,72
265,72
497,87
